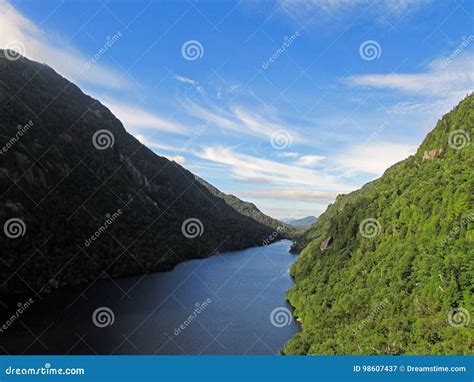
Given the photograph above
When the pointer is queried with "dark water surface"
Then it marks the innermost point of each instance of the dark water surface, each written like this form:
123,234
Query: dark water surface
219,305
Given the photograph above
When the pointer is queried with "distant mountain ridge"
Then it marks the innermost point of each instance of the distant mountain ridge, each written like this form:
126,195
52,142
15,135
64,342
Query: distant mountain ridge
303,222
389,268
89,199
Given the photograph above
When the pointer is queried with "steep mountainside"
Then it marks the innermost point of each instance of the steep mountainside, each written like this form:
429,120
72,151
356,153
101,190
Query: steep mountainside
389,269
81,198
250,210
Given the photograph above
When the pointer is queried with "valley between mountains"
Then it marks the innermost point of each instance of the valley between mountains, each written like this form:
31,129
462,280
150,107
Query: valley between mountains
386,269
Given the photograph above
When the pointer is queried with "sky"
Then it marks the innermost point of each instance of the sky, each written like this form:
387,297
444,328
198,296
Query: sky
284,103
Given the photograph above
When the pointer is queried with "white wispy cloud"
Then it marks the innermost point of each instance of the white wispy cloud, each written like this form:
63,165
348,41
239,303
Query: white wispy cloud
388,7
291,194
135,118
177,158
439,78
152,144
38,46
185,80
264,126
372,159
292,212
244,166
289,154
429,93
242,120
309,160
190,81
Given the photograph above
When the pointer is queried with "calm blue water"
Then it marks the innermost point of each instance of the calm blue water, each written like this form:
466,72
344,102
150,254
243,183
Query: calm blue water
219,305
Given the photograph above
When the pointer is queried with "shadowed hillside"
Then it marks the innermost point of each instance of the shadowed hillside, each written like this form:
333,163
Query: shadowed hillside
82,198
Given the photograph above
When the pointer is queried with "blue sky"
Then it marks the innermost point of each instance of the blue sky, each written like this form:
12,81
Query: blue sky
285,103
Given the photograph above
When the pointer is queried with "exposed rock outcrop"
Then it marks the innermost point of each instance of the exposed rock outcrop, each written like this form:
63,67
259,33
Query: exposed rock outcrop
432,154
326,244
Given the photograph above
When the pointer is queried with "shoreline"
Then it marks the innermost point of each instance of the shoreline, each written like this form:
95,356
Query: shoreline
45,291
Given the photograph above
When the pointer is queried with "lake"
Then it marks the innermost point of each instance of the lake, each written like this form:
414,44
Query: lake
231,303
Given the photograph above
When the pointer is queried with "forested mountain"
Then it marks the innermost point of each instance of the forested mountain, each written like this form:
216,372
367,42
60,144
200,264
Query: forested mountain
303,222
81,198
389,269
250,210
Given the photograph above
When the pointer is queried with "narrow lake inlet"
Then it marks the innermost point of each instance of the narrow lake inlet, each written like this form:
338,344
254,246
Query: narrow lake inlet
232,303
